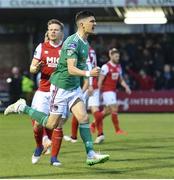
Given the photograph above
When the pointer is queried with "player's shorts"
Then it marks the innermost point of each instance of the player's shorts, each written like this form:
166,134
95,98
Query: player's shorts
109,98
85,96
41,101
62,100
94,99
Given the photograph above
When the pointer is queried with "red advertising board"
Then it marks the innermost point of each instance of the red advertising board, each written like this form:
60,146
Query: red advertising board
146,101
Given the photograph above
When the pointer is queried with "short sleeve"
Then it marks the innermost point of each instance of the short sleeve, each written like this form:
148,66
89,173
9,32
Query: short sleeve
71,50
104,70
37,52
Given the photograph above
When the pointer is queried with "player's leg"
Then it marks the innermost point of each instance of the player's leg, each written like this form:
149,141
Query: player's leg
38,132
50,122
58,108
93,105
46,141
110,101
115,120
40,102
74,130
56,139
21,107
78,109
98,116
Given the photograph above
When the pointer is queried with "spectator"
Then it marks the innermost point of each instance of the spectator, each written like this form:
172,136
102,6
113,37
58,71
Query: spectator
27,87
158,80
15,84
167,76
145,82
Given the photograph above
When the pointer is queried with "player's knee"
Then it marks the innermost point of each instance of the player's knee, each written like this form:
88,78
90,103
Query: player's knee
83,118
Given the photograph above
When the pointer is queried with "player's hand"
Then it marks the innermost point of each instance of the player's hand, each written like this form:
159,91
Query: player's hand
128,90
90,91
95,71
36,67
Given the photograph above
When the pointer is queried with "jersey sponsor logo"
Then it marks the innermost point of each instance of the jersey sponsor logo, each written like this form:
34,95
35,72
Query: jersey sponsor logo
70,52
72,45
115,76
52,61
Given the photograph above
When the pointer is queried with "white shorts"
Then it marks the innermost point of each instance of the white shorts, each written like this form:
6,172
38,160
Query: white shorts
109,98
41,101
62,100
94,100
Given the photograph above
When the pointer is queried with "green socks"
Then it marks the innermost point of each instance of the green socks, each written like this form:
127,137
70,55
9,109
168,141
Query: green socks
86,136
40,117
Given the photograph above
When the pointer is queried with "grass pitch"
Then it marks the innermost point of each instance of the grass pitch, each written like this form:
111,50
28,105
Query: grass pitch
146,152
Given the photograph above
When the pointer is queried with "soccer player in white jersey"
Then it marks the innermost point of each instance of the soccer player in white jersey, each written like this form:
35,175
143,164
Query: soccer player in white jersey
45,60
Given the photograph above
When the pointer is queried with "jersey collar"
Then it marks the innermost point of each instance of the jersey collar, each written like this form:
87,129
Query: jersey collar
85,42
57,45
112,64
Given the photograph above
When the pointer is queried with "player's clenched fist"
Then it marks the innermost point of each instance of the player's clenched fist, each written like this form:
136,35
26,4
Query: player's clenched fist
95,71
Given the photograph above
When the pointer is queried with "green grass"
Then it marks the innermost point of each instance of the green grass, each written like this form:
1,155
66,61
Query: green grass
146,152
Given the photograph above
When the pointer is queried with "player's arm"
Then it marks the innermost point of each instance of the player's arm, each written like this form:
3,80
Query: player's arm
35,66
124,84
73,70
104,72
36,63
100,80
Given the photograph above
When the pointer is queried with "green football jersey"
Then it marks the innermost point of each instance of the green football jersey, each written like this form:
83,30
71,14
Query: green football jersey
74,47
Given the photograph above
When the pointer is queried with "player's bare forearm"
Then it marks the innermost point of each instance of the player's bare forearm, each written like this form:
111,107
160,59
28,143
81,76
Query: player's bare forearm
124,84
100,81
73,70
35,66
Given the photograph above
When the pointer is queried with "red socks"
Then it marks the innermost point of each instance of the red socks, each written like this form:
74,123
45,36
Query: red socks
99,122
115,121
38,136
56,141
74,127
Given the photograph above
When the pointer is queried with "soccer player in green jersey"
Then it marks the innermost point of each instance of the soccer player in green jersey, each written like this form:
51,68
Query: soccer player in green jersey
66,91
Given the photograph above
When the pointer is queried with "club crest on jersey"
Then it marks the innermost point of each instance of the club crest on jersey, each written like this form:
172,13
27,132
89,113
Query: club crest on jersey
54,107
70,52
72,45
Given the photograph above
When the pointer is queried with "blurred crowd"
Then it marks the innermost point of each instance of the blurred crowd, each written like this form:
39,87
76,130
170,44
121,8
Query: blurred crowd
147,60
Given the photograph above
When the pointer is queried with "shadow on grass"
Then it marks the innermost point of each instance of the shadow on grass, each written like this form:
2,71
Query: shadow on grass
142,159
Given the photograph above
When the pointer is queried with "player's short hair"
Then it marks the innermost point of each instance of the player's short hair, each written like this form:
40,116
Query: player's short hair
113,50
55,21
83,14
